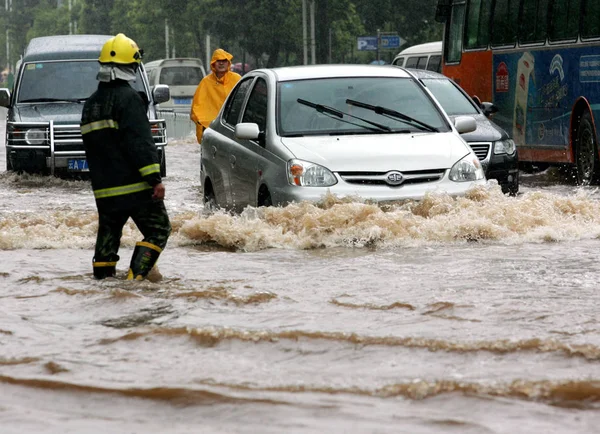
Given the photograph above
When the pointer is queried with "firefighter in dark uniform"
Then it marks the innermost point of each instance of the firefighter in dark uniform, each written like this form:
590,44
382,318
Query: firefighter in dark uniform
124,163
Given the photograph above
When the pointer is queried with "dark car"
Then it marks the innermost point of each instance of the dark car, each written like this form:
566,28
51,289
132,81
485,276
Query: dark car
55,77
492,145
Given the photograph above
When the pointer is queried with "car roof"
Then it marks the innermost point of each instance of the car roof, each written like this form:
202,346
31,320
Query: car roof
424,73
341,70
64,47
175,61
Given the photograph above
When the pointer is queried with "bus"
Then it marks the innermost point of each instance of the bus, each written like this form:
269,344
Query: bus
538,61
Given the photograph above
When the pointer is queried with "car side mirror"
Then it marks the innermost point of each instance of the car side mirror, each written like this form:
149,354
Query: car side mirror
161,93
4,97
465,124
247,131
488,109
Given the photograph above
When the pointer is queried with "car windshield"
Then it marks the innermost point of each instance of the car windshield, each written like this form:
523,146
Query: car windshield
394,93
62,81
453,101
180,76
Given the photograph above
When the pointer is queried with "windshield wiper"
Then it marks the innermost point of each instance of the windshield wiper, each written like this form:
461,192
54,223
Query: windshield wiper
393,113
54,100
330,111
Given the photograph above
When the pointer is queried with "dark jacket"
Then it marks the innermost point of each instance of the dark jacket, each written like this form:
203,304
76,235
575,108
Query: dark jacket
119,148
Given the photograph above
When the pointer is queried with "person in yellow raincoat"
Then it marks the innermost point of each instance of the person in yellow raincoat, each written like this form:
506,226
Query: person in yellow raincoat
213,90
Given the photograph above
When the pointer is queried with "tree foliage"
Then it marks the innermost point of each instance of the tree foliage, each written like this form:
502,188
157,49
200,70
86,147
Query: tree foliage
270,32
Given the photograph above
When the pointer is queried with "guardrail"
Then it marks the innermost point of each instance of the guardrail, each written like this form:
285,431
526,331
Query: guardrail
179,124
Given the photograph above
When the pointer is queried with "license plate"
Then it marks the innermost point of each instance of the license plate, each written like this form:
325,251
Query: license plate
78,165
182,100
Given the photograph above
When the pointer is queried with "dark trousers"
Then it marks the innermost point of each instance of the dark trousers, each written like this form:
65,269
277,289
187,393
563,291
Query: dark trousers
151,219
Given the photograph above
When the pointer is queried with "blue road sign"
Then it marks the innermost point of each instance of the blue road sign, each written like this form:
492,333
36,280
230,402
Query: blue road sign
391,41
367,43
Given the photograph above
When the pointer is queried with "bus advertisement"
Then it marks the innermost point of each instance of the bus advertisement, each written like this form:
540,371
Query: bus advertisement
539,63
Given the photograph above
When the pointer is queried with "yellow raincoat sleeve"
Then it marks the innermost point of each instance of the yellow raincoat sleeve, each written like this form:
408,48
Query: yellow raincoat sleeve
210,95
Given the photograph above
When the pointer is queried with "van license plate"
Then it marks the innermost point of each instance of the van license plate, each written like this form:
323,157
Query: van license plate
78,165
182,100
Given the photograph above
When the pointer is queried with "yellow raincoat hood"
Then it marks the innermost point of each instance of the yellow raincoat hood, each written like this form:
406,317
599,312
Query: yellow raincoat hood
211,93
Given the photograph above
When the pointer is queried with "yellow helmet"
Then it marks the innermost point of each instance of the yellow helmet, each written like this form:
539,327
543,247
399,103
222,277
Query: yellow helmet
120,49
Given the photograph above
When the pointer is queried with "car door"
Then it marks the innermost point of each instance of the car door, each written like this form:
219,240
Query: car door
217,145
245,158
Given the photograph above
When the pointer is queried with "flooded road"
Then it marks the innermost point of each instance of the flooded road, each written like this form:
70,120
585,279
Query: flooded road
472,315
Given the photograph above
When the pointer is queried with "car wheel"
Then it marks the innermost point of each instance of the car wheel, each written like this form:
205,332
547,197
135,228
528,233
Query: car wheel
586,158
264,197
210,201
511,188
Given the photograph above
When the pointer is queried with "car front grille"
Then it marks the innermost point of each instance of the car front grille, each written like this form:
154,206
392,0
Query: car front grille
381,178
481,149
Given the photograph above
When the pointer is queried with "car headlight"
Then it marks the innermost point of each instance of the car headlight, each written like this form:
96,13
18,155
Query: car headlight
467,169
505,147
35,136
306,174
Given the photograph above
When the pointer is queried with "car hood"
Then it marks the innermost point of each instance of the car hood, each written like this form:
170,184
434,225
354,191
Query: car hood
380,152
60,113
487,131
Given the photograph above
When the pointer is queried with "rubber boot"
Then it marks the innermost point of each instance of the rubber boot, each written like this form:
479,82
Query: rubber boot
102,270
144,257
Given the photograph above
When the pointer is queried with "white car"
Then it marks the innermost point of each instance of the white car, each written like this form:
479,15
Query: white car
297,133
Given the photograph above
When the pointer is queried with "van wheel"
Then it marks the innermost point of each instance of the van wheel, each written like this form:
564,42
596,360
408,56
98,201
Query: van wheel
586,151
9,166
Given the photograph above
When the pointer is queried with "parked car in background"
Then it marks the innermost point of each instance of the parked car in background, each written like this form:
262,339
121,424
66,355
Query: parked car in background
492,145
422,56
297,133
54,78
182,75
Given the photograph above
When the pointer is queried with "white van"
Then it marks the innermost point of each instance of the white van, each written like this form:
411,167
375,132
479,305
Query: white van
182,75
423,56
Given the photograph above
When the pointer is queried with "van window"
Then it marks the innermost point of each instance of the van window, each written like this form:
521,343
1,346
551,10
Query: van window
399,61
418,62
435,63
180,75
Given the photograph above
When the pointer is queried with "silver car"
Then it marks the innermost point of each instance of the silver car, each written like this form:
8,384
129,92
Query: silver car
297,133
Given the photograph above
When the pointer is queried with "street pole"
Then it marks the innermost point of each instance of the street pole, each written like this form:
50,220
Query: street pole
313,44
166,39
8,5
304,33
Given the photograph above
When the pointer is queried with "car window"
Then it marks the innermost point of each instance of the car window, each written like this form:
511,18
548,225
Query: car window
63,80
234,102
256,109
180,75
453,101
396,93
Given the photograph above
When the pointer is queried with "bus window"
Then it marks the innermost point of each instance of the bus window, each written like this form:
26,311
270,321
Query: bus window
565,20
454,46
435,63
504,25
478,24
591,19
533,21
